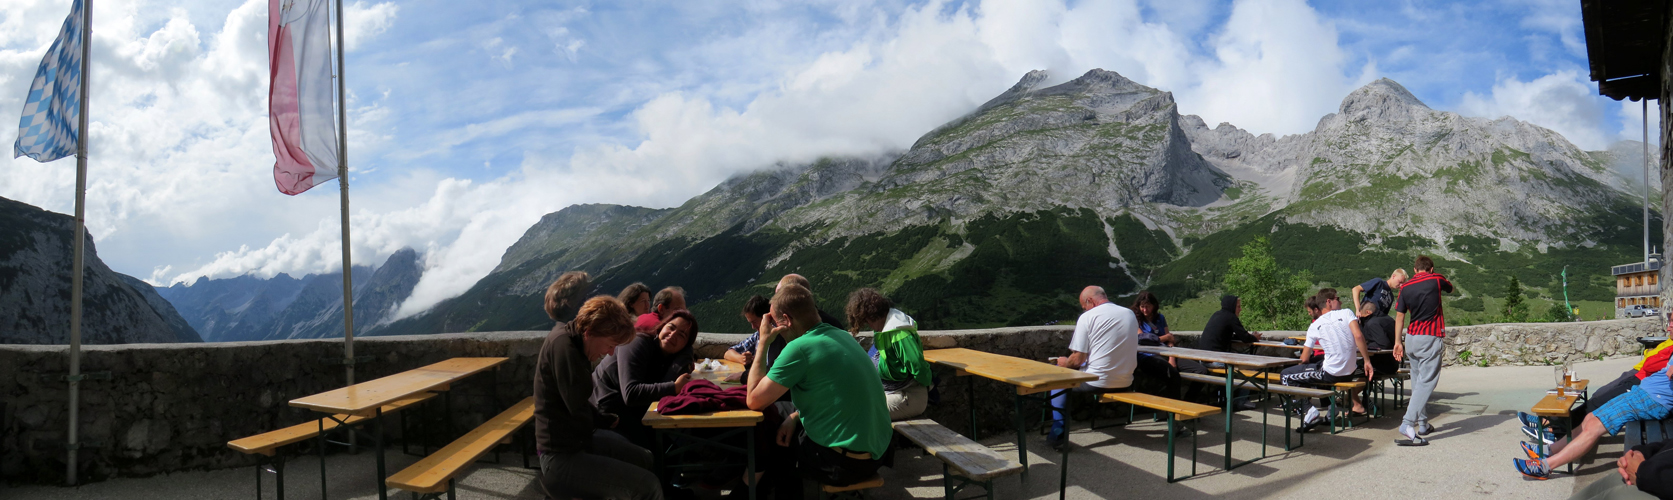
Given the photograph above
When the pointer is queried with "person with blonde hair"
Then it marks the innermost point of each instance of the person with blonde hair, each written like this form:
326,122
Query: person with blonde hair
1379,291
579,456
896,350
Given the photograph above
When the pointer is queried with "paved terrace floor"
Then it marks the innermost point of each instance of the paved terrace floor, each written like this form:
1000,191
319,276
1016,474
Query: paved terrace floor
1469,456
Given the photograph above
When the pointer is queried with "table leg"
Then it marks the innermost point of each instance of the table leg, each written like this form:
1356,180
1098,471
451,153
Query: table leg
749,473
1022,438
377,441
322,459
970,399
1230,392
1063,465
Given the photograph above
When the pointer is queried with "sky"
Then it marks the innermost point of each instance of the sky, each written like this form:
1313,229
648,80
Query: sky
468,121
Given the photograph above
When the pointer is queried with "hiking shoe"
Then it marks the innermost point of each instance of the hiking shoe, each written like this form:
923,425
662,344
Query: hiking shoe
1541,437
1532,451
1529,420
1534,469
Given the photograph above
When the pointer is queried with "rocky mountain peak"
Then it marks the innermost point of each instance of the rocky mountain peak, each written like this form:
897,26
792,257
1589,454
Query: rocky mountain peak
1379,97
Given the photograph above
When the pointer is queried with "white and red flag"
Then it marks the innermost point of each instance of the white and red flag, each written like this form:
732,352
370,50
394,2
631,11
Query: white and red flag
299,96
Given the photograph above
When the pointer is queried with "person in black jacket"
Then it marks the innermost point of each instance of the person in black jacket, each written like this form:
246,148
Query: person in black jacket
1224,327
1643,473
579,457
644,371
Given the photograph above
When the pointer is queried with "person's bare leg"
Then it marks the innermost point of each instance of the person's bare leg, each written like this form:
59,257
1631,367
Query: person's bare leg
1581,441
1359,406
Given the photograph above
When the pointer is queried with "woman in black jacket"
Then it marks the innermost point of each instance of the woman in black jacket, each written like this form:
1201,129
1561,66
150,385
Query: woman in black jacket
644,371
579,456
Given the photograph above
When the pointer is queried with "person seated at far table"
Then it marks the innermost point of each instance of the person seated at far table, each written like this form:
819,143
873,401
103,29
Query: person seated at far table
667,300
1154,374
1222,330
1337,333
1105,343
843,418
801,281
743,352
896,349
1379,336
579,457
1653,361
1643,473
1651,400
637,298
643,372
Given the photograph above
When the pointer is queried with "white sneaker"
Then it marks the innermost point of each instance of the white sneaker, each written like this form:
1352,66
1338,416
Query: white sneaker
1312,416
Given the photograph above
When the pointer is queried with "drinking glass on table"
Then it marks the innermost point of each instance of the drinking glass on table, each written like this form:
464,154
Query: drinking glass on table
1562,380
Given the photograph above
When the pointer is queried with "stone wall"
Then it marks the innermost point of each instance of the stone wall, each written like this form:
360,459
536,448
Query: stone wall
170,407
1547,343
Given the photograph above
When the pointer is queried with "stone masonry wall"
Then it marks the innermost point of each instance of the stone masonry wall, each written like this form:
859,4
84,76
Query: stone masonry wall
171,407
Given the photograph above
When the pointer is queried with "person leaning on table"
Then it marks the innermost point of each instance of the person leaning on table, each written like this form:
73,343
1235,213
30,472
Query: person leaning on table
839,398
578,458
1643,473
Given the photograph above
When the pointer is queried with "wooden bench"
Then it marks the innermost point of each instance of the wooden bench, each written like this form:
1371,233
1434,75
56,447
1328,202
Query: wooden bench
434,474
1176,410
266,445
974,463
1282,390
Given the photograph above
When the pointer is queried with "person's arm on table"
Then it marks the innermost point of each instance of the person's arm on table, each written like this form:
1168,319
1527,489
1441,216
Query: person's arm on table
1075,360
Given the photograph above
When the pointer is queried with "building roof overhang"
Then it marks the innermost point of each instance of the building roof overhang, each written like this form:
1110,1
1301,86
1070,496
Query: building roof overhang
1624,46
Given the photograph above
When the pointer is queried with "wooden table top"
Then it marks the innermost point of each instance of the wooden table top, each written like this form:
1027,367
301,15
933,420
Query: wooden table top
1023,373
1243,360
1279,344
719,376
364,398
1553,406
732,418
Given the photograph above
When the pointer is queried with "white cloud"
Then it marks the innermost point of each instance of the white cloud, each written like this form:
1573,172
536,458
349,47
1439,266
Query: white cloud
362,22
1562,101
1633,124
1277,68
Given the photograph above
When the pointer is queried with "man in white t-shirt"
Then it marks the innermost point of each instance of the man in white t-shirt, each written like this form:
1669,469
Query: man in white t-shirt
1106,344
1337,333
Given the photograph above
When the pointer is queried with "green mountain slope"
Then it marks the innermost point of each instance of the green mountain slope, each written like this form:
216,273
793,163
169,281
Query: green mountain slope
999,217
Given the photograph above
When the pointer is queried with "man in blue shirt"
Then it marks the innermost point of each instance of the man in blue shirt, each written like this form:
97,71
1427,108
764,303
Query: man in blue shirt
1380,292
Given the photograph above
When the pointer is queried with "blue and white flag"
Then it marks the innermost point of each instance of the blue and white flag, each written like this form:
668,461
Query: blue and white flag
52,113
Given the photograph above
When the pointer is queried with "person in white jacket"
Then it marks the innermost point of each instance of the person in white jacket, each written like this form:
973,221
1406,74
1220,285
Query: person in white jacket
896,349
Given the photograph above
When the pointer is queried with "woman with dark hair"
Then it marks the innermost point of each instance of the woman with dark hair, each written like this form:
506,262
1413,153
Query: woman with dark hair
579,457
644,371
1155,374
637,298
896,349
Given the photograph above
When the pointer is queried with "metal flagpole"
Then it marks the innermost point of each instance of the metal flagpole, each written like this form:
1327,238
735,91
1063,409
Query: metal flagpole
1646,105
343,185
77,246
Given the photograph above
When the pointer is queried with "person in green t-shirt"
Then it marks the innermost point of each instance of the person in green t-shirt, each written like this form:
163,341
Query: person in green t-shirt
838,396
896,350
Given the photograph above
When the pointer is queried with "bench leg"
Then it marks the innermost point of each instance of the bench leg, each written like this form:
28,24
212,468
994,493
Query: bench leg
946,481
1022,437
322,442
258,480
278,479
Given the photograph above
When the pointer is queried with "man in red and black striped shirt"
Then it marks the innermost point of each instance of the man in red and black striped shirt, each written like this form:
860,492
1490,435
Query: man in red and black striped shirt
1418,314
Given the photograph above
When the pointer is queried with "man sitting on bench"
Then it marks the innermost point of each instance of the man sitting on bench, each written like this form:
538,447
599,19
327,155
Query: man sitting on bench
1650,400
1337,333
839,398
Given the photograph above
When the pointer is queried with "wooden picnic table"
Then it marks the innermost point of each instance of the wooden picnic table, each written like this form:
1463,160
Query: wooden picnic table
672,427
1552,409
1248,361
366,399
1033,381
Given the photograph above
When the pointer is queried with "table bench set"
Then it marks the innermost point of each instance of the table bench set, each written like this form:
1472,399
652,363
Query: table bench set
350,409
